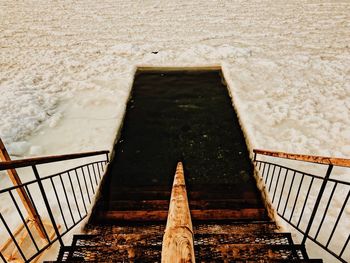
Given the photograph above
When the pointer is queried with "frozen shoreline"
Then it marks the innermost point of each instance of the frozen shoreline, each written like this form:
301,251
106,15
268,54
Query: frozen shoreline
67,68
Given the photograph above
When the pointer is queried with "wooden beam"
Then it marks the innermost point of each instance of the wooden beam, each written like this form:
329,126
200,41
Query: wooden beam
178,246
33,216
306,158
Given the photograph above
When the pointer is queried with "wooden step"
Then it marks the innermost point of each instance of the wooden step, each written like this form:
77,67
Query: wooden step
229,214
197,215
194,204
113,240
193,195
238,227
126,228
247,228
196,188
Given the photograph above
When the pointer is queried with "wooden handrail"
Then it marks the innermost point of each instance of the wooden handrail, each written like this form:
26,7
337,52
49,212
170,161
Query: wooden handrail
306,158
47,159
178,246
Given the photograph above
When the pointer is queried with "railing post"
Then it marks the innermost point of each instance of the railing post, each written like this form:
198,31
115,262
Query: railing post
107,158
317,203
41,187
4,156
254,157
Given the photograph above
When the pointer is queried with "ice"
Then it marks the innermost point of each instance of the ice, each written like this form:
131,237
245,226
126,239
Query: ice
66,68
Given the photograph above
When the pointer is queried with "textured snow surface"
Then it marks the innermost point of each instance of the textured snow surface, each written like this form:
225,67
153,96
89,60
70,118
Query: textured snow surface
66,68
289,63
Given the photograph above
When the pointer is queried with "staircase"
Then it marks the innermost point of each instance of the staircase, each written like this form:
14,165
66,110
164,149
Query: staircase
151,203
253,241
227,228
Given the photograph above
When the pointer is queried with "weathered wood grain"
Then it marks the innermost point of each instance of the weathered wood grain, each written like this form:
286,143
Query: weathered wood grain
178,246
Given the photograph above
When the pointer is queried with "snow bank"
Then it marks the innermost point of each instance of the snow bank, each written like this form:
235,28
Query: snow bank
66,68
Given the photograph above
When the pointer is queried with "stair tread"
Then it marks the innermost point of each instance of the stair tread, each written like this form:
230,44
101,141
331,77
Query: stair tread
244,238
239,227
138,194
246,251
199,239
255,241
270,260
163,204
106,254
197,215
220,252
196,187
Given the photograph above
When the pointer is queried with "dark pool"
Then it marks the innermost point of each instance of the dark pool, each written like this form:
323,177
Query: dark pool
181,116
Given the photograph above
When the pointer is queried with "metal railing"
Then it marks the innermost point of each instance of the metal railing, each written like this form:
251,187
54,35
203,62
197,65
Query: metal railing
314,205
61,198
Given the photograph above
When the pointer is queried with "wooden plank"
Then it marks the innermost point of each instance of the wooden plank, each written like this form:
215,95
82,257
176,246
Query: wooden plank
194,204
33,216
8,164
229,214
197,214
137,216
306,158
204,194
178,246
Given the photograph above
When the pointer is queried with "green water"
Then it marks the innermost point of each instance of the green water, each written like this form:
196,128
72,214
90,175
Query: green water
181,116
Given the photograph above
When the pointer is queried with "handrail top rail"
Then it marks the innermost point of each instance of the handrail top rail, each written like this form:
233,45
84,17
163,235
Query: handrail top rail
306,158
47,159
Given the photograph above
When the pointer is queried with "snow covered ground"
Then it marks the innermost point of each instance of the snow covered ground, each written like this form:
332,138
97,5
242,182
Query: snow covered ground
66,68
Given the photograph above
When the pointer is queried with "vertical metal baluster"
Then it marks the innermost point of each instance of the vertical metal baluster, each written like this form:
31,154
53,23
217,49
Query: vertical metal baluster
36,211
74,196
272,176
290,190
263,172
296,197
48,208
23,220
278,178
107,157
345,245
65,194
59,203
267,174
93,169
259,165
12,237
86,186
2,257
100,169
339,216
319,197
284,183
81,191
304,205
93,189
326,210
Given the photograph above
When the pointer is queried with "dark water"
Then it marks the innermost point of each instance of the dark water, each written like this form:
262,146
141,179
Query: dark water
181,116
